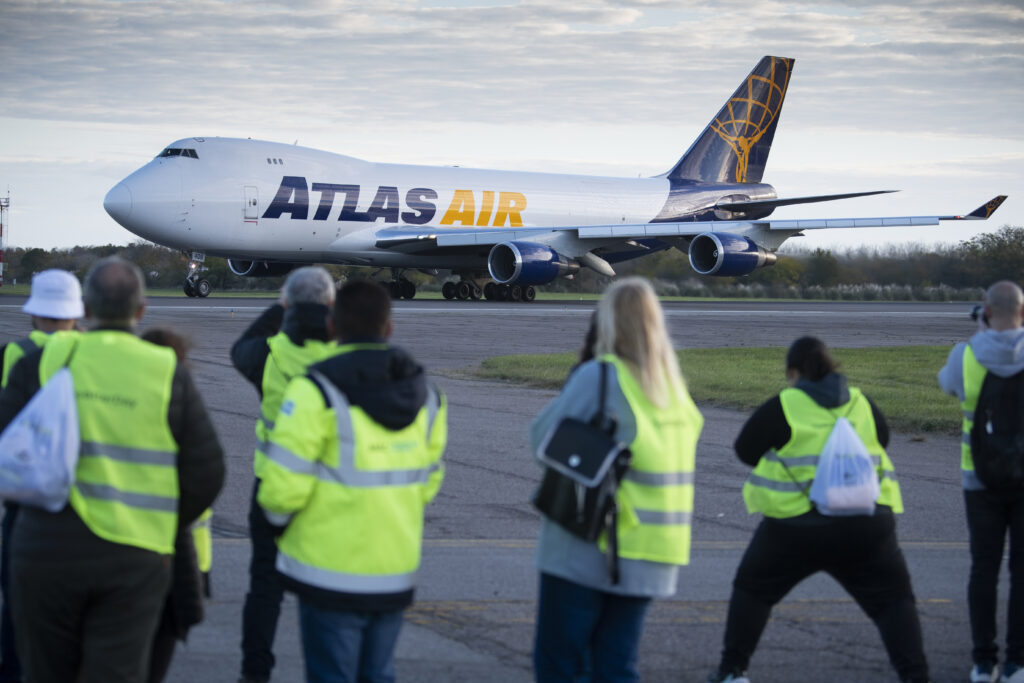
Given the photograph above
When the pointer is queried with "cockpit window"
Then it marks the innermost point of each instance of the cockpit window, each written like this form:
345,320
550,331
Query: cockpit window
178,152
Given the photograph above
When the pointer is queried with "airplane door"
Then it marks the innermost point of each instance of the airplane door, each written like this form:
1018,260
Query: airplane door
251,211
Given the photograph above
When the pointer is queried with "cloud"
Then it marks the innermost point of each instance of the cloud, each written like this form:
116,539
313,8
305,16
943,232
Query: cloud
401,75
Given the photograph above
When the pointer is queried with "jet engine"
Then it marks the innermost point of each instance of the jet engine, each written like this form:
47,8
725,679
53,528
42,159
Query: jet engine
527,263
724,254
261,268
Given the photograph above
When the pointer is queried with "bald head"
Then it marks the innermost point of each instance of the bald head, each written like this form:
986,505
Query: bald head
114,292
1004,304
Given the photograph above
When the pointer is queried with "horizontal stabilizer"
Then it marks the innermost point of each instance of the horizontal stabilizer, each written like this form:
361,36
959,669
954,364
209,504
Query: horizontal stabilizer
982,212
761,204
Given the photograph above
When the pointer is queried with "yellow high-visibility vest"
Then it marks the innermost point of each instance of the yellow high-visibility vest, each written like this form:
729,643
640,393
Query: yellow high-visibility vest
16,350
285,361
126,483
351,491
781,482
655,498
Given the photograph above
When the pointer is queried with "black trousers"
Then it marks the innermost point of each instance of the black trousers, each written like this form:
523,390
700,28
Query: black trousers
990,516
263,601
10,666
861,553
84,609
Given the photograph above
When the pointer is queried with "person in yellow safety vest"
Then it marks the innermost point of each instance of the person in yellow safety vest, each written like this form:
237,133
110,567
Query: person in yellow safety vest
89,582
583,617
783,440
54,304
286,338
354,457
996,348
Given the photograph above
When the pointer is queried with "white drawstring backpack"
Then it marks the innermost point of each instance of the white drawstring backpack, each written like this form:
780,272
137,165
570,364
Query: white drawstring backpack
39,448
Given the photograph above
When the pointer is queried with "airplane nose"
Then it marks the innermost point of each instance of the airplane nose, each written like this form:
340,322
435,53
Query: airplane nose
118,203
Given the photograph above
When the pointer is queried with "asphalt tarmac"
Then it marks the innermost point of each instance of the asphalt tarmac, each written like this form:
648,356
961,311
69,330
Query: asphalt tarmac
473,619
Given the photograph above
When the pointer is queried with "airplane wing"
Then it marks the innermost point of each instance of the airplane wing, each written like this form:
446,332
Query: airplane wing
456,237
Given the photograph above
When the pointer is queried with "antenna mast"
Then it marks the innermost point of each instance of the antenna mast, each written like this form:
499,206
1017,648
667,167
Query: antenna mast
5,206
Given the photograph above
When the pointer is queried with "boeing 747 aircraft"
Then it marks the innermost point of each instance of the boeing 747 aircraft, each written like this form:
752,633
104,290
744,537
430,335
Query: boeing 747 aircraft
270,207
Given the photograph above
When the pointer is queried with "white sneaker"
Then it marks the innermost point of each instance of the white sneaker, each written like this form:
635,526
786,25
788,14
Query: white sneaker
986,673
1012,673
722,677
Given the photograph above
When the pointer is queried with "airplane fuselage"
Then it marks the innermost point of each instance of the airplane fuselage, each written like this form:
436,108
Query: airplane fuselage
249,199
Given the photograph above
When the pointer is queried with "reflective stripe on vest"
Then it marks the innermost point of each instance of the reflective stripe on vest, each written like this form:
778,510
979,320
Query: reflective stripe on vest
361,530
285,360
780,483
346,473
344,582
656,495
973,377
126,488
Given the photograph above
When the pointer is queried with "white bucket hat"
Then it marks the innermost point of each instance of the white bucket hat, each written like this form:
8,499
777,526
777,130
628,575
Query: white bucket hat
55,294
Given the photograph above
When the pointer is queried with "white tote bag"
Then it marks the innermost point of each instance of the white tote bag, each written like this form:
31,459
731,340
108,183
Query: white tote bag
39,448
846,482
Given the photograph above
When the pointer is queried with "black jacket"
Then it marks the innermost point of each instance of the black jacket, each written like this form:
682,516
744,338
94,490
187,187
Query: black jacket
200,457
300,322
768,429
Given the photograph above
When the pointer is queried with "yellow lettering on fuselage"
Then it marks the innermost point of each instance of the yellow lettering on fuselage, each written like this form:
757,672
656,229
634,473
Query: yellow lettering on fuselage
510,206
463,209
485,210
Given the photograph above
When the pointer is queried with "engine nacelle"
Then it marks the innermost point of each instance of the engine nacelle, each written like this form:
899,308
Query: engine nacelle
724,254
261,268
527,263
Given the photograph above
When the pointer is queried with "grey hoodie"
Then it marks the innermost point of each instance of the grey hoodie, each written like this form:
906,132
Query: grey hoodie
1001,353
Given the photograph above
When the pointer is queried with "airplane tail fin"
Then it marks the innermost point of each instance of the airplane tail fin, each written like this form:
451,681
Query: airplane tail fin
734,147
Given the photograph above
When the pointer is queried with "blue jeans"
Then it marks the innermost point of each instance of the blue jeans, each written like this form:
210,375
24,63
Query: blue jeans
586,635
348,647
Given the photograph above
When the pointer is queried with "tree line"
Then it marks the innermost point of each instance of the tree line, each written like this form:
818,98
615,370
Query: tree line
929,273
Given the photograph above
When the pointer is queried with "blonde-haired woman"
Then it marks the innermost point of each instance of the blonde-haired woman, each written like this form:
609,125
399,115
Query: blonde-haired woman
585,621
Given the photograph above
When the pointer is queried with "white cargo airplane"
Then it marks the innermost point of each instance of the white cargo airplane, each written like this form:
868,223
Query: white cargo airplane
269,207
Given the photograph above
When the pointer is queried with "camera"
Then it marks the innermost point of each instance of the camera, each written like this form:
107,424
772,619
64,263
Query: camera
979,312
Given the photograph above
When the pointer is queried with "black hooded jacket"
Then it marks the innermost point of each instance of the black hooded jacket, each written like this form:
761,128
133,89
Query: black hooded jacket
386,383
768,429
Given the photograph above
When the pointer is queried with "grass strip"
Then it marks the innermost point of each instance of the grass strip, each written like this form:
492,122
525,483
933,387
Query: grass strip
900,379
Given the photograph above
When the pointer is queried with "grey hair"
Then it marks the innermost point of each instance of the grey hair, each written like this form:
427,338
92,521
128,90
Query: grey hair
309,285
114,291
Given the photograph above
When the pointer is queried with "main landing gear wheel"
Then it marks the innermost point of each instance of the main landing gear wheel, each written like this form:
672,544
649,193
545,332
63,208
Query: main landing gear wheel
448,290
402,289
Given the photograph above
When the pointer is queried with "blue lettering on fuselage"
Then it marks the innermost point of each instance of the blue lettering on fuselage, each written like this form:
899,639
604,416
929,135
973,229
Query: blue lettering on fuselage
292,198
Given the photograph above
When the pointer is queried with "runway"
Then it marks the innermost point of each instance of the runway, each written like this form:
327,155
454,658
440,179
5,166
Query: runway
474,614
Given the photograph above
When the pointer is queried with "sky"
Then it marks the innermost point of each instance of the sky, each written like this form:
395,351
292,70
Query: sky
922,96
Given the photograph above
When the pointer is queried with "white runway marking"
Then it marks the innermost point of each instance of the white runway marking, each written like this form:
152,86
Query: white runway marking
526,309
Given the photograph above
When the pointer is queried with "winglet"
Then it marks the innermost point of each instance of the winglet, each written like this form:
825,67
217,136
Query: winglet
981,213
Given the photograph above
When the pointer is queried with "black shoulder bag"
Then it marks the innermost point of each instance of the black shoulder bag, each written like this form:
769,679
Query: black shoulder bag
584,465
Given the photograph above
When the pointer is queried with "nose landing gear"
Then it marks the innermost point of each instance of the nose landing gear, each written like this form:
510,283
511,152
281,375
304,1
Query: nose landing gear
194,285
